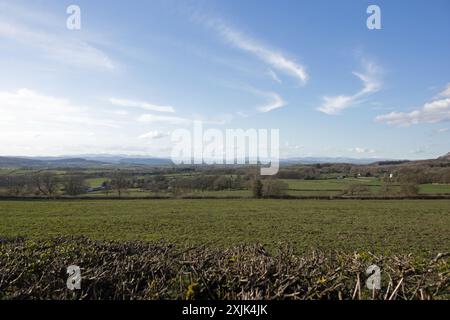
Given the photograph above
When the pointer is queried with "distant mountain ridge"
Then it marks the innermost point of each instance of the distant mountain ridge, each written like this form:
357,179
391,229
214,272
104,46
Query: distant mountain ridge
23,162
319,160
102,160
78,162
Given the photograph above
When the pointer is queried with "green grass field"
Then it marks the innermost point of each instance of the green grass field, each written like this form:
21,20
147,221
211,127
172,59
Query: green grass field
333,187
296,187
330,187
95,182
434,188
419,226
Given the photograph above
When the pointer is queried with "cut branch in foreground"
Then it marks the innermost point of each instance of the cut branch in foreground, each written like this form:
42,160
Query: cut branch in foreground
141,270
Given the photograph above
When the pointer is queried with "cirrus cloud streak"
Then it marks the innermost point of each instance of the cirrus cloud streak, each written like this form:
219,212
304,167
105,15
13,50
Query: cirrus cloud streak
435,111
371,83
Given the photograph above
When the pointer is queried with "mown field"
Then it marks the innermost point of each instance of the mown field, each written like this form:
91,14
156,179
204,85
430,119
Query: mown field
383,227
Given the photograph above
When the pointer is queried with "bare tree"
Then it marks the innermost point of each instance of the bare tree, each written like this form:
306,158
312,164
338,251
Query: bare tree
257,188
274,188
119,182
46,183
74,185
357,189
409,189
16,185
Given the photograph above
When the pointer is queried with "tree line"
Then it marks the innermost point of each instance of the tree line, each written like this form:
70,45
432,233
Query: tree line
51,184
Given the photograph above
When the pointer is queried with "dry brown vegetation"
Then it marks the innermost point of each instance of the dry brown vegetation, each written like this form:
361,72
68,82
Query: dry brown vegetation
142,270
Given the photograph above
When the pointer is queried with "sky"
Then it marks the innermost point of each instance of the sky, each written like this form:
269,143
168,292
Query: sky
136,71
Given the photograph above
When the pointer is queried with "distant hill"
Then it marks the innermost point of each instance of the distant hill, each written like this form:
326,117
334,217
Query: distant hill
102,160
127,160
443,161
445,157
391,162
79,162
16,162
19,162
146,161
366,161
321,160
74,162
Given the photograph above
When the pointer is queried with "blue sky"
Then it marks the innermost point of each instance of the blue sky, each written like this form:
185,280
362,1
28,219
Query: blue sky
138,70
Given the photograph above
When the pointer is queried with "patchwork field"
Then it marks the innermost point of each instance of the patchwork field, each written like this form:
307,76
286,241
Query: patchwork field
334,187
403,226
296,187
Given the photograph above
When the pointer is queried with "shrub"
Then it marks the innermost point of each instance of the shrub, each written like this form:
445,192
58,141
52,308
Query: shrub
257,188
274,188
409,189
356,189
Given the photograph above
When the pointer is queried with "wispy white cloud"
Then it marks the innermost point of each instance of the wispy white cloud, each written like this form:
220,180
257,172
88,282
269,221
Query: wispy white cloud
141,104
445,92
44,35
152,118
371,84
275,58
335,104
272,100
424,149
443,130
431,112
220,119
121,112
274,76
153,135
242,114
26,108
67,50
362,150
276,102
35,123
173,120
